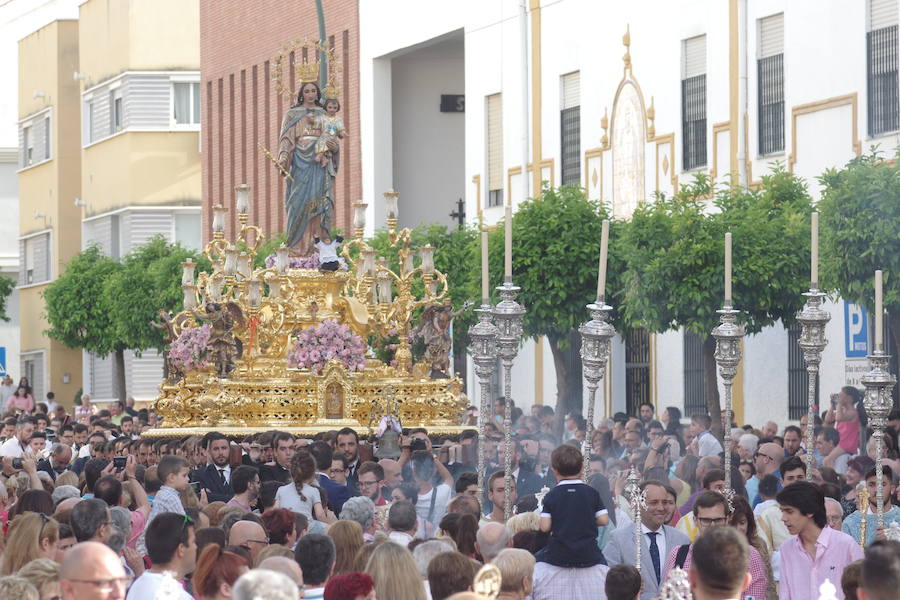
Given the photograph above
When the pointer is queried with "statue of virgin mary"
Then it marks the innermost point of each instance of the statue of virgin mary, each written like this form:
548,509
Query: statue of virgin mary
309,197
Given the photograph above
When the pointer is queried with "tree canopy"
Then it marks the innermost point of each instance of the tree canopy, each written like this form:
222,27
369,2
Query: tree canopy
860,221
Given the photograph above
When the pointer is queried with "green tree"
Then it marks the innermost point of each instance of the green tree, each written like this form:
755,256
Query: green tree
860,218
556,249
674,254
7,285
149,279
78,309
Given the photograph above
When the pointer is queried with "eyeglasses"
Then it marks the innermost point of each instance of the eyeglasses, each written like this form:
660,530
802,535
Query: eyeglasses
366,484
336,471
758,454
106,585
263,542
706,522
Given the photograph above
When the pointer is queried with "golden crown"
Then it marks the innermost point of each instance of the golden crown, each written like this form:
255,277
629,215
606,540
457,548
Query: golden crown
306,58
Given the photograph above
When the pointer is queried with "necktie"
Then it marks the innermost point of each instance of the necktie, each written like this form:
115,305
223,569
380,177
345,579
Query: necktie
654,553
222,476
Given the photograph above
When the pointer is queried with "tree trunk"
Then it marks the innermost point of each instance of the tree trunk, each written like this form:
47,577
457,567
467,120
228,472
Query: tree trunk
568,374
562,382
711,386
120,374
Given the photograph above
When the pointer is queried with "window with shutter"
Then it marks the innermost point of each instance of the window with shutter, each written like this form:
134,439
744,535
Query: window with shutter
35,254
186,102
881,68
570,128
46,126
28,147
770,84
693,102
494,110
694,390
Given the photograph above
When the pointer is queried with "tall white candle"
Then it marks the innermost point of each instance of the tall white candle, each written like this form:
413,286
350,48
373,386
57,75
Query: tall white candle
728,269
814,252
507,255
879,311
601,274
485,284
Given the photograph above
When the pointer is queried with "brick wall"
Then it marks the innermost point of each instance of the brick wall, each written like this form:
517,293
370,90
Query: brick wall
241,109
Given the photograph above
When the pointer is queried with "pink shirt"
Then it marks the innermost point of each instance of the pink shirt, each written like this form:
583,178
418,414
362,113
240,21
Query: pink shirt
849,432
801,576
755,566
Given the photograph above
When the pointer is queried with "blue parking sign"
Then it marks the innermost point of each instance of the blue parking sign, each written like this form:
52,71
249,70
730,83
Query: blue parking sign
3,360
856,331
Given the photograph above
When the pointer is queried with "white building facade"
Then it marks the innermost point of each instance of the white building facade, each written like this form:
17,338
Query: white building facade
629,99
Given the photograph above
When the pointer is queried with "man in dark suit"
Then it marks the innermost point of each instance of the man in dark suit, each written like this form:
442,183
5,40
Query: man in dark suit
348,446
215,477
527,481
57,462
282,454
337,493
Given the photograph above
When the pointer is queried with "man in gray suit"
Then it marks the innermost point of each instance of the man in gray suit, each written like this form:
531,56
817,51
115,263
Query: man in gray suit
658,539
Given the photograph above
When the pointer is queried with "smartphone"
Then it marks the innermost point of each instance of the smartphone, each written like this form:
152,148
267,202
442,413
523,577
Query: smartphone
834,399
119,461
195,485
17,463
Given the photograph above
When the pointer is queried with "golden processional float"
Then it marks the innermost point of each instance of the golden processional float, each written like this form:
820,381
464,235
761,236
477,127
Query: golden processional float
273,348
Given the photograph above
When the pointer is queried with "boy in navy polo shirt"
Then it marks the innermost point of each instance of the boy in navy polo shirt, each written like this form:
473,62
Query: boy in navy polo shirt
571,512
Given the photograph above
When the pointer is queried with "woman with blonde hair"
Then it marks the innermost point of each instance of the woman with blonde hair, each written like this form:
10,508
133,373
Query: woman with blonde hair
31,535
43,574
395,573
517,569
66,478
348,539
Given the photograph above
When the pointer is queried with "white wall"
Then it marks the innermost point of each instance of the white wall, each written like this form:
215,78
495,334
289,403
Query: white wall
428,145
9,254
824,59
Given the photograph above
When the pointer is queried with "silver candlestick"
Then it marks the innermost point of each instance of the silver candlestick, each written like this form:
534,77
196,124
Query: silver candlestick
638,501
483,348
728,336
813,319
508,315
879,383
595,337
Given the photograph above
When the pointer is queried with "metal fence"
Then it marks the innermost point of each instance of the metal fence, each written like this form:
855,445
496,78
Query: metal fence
881,71
693,121
770,72
570,145
637,369
694,390
798,378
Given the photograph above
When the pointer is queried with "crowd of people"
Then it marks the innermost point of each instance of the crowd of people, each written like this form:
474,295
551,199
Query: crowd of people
90,509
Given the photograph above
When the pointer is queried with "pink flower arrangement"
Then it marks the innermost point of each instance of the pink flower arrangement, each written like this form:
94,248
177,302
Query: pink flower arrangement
190,350
328,340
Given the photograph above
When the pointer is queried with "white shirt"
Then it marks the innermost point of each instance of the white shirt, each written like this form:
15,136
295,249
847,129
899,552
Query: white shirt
226,468
287,497
12,448
328,252
660,542
708,445
151,586
5,392
401,538
423,506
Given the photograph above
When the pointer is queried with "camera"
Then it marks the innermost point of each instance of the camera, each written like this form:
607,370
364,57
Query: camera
417,444
17,463
119,462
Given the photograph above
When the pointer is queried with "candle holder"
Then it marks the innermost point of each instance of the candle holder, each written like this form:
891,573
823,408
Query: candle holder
728,336
508,315
595,343
676,586
638,501
813,319
483,348
879,383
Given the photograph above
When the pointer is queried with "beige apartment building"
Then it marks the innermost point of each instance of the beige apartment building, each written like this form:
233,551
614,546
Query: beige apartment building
134,132
49,183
